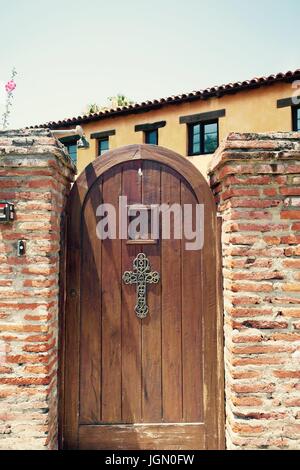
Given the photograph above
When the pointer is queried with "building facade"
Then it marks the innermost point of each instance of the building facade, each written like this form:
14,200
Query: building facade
44,298
191,124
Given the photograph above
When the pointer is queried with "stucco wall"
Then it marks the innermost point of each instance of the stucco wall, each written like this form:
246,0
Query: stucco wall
249,111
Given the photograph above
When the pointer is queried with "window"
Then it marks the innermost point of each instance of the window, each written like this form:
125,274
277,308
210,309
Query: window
203,137
70,142
103,145
151,137
72,149
296,119
150,131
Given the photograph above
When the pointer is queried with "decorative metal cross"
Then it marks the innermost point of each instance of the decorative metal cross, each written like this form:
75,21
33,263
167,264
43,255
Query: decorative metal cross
141,276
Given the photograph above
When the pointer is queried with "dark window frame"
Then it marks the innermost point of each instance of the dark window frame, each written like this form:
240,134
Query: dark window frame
295,118
103,134
147,134
202,125
149,128
102,139
72,144
68,141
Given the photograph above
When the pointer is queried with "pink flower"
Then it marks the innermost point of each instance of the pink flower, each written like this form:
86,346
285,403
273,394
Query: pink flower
10,86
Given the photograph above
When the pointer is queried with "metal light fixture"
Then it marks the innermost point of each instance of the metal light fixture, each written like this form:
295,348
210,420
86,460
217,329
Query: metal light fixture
82,143
78,131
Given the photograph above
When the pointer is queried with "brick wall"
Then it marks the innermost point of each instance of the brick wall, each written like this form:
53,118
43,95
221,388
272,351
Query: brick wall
35,174
256,181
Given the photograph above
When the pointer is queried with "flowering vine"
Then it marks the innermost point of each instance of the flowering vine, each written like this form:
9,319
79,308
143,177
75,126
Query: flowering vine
9,88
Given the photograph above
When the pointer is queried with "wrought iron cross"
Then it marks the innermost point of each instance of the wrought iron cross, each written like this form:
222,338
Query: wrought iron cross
141,276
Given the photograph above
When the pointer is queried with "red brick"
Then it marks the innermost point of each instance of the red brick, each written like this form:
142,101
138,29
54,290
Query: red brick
10,183
39,283
38,347
287,374
24,328
290,215
29,358
37,369
41,318
253,388
5,270
38,338
272,240
250,312
241,239
238,192
245,429
5,283
290,191
246,374
239,339
291,240
39,270
256,203
292,263
257,276
246,401
283,300
258,361
259,349
5,370
255,287
25,381
247,263
293,402
42,183
246,300
285,337
293,251
247,180
250,215
270,192
291,287
32,172
290,312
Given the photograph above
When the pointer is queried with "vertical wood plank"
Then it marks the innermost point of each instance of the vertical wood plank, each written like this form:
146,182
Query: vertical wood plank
151,326
192,315
111,310
171,309
131,325
90,339
72,324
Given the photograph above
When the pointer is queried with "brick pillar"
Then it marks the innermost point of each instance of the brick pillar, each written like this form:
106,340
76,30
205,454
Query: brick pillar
35,174
256,181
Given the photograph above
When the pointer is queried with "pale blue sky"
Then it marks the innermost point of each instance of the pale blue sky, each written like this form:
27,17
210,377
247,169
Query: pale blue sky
69,53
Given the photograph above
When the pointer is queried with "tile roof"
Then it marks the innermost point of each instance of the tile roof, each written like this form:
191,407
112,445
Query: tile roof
216,91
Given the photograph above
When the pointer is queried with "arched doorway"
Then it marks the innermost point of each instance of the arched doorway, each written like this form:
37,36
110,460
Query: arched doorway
143,350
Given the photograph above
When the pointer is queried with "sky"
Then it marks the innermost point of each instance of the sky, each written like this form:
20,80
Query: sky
70,53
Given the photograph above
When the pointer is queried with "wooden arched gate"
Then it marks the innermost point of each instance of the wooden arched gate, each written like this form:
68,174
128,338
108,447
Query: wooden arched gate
132,383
